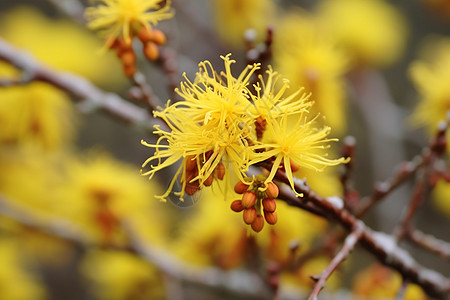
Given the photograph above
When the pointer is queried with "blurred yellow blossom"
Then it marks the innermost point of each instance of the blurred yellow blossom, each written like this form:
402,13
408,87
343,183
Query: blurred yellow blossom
54,41
309,59
372,31
35,114
213,235
379,282
15,281
233,17
123,18
116,275
431,75
441,194
102,192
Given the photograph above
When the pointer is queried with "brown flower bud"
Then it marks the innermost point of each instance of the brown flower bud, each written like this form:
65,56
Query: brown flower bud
269,204
271,217
151,51
258,224
192,188
236,206
249,199
220,171
208,180
272,190
249,215
129,70
240,187
191,163
128,57
158,37
145,35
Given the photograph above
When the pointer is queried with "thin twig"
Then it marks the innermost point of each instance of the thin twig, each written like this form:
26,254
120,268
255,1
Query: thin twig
402,290
429,242
349,244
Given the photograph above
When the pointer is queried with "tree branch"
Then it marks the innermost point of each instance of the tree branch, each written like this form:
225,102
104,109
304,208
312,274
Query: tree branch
77,86
349,244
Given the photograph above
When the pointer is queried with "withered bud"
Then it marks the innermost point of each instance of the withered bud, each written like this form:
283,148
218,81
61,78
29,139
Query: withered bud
236,206
249,199
269,204
240,187
271,217
151,51
258,223
249,215
272,190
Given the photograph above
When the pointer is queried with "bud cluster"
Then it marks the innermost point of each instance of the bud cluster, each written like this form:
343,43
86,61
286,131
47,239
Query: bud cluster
150,39
257,203
191,170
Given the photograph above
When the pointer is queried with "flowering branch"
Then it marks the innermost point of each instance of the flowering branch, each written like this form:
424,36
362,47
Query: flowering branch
381,245
349,244
80,88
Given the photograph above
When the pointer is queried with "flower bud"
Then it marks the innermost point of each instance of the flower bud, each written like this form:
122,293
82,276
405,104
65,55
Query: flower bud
220,171
151,51
158,37
145,35
236,206
258,224
249,199
192,188
128,57
208,180
240,187
129,70
191,163
249,215
272,190
269,204
271,217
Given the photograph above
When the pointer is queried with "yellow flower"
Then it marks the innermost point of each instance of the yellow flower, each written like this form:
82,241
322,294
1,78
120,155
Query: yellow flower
210,127
431,75
122,18
233,17
379,282
220,123
440,197
301,144
16,282
116,275
308,58
101,192
61,44
372,31
36,114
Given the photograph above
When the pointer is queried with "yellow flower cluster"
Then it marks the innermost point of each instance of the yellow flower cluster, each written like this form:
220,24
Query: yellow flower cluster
121,18
224,125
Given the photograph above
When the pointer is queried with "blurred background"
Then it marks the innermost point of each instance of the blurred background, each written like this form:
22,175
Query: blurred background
70,179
